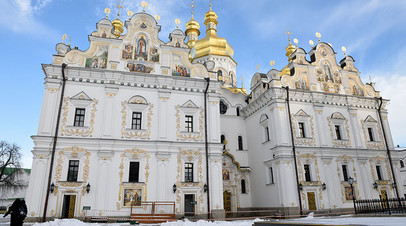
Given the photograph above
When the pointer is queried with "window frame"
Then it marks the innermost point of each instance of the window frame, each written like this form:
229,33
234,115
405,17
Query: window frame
243,186
79,119
189,123
73,171
267,134
344,168
189,171
338,133
307,173
302,129
240,143
223,107
138,121
371,134
136,176
379,173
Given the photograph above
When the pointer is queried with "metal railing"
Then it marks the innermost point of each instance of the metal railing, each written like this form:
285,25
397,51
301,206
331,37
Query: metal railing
381,206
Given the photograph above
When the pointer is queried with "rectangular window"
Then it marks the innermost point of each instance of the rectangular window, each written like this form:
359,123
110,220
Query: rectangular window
136,122
379,173
134,172
189,123
73,170
79,117
271,180
188,172
338,132
302,129
345,172
266,133
307,172
371,134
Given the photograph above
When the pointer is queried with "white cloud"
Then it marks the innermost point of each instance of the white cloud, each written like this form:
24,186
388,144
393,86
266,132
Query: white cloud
20,16
393,87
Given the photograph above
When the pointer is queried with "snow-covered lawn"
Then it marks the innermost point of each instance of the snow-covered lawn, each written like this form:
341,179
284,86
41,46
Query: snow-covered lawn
349,220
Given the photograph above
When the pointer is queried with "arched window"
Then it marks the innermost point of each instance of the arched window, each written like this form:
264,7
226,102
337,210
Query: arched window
402,164
243,190
238,111
223,138
219,73
240,146
223,108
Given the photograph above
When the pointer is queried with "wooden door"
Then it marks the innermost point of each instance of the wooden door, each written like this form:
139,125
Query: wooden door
227,202
311,199
68,210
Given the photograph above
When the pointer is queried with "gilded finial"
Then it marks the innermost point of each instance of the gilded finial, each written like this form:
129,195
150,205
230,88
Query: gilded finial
144,5
344,50
311,43
119,7
177,22
258,68
130,14
210,5
370,80
157,18
64,36
296,41
192,6
70,39
318,35
107,11
288,33
272,63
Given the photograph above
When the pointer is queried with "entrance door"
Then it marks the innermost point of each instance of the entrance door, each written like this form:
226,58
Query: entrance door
311,199
227,202
190,205
68,209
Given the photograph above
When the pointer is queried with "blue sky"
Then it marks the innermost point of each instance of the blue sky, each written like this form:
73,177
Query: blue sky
372,30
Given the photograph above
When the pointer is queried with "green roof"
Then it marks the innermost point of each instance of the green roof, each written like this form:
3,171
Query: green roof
10,170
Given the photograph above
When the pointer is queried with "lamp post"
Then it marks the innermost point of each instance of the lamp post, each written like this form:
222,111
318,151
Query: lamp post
351,180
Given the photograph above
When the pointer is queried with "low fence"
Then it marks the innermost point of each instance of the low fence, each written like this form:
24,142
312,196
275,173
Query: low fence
381,206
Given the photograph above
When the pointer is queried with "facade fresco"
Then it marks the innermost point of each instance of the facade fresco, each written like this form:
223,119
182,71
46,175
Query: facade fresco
100,58
132,195
141,48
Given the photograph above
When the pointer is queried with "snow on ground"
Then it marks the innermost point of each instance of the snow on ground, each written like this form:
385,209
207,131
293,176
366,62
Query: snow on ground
348,220
209,223
340,220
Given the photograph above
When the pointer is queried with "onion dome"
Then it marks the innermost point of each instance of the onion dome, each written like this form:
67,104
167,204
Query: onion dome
289,50
118,27
211,44
192,32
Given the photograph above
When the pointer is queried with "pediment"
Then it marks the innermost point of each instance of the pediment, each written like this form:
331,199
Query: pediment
81,96
337,115
301,113
137,100
370,119
189,104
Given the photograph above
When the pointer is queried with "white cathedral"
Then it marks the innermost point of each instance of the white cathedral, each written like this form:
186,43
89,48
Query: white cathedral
133,121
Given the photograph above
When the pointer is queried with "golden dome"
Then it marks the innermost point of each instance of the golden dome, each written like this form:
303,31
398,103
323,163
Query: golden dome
192,27
289,50
118,27
211,44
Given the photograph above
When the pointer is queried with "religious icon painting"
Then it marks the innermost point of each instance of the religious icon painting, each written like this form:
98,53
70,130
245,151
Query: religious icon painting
154,54
141,48
143,25
178,69
127,51
139,67
99,60
302,83
133,196
226,174
348,193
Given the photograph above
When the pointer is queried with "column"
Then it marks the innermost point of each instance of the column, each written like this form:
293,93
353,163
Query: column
108,118
163,114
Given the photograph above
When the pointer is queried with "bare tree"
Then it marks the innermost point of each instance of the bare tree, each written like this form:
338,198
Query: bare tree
10,165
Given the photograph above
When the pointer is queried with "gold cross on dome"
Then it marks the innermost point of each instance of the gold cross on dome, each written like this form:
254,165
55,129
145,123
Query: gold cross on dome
210,5
192,6
288,33
242,81
119,7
